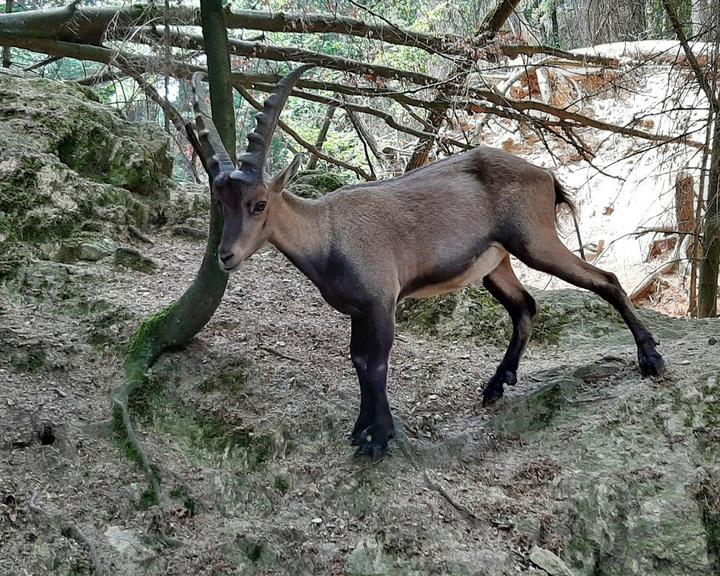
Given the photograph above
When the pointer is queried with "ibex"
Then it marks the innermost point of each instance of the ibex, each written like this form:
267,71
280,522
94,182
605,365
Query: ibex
434,230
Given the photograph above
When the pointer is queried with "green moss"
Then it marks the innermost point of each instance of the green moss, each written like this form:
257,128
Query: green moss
486,318
132,258
31,360
317,183
281,485
189,503
205,437
475,313
120,437
143,341
707,496
232,380
425,315
148,498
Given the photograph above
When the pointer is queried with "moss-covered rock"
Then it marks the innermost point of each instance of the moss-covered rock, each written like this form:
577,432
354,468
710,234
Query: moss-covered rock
129,257
317,183
474,313
635,484
95,141
69,164
86,248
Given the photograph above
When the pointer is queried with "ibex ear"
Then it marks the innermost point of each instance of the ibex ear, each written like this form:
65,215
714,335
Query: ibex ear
282,179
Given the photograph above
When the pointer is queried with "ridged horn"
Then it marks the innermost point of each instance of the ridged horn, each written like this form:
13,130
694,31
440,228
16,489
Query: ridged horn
252,161
213,156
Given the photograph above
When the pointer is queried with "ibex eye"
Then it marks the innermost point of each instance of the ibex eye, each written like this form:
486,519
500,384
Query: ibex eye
260,206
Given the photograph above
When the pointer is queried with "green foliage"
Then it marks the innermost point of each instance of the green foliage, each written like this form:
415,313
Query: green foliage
181,492
658,23
281,485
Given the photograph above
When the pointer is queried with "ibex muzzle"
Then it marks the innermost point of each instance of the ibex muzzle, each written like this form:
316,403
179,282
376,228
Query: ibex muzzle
366,247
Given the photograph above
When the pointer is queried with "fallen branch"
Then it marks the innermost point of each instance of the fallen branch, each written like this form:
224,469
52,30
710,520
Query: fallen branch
135,231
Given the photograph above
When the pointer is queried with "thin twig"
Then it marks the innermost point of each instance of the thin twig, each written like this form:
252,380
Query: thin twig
279,354
459,506
304,143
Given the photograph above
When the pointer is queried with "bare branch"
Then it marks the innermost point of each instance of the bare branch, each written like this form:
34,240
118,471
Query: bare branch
304,143
700,76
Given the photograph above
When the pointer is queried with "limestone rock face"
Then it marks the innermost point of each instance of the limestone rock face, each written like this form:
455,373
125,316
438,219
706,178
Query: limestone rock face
74,172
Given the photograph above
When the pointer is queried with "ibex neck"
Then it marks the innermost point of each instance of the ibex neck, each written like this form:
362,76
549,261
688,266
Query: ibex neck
300,231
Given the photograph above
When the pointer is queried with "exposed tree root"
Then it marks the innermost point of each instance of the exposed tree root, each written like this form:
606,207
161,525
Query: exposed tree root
69,530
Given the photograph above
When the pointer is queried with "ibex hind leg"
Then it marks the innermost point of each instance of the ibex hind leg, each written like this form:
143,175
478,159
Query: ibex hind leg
548,254
507,289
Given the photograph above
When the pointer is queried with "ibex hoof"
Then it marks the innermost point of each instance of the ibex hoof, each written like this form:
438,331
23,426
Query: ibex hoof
371,444
651,363
494,389
492,394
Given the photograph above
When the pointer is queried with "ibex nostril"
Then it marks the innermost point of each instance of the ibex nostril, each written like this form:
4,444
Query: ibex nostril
226,257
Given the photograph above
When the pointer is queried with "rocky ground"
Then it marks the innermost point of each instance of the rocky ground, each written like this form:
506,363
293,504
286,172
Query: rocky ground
584,468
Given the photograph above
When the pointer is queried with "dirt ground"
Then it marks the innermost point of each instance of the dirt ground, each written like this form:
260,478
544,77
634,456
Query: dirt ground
248,427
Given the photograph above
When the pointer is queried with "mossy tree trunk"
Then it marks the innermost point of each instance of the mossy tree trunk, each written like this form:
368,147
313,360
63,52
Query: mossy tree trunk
708,285
177,324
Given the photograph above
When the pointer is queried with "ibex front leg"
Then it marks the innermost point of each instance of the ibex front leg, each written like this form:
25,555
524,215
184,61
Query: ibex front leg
370,345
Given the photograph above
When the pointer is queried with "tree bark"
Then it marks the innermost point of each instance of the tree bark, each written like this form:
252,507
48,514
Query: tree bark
6,49
176,325
705,20
708,284
88,24
322,136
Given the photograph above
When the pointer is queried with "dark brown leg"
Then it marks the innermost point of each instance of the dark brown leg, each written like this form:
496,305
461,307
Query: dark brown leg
372,339
506,288
553,257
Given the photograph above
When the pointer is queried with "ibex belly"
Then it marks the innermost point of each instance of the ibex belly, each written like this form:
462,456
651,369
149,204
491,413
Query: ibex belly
481,267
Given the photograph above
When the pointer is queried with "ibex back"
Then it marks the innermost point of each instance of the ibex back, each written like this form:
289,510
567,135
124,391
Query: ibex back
366,247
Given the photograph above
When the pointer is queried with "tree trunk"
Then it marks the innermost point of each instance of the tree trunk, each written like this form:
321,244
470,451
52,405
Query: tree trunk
708,285
322,136
705,19
6,49
176,325
593,22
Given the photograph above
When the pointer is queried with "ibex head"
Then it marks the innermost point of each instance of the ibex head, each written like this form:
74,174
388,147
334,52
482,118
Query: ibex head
245,197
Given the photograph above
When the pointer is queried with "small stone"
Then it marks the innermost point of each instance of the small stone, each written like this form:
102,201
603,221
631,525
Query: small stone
132,258
712,341
549,562
316,520
130,548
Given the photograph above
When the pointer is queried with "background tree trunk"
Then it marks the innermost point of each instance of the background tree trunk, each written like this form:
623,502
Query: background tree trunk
322,136
591,22
6,49
708,285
